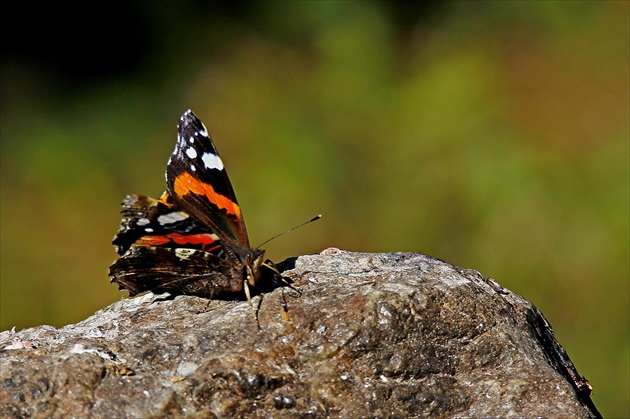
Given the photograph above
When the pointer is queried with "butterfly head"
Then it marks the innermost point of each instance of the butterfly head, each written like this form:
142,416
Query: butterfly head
252,261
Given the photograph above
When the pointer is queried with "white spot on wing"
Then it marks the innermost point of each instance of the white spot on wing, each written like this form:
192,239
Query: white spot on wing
193,168
191,152
143,221
212,161
184,253
171,217
149,230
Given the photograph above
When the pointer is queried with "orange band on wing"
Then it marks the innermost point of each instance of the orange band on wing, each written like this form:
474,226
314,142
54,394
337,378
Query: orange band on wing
204,240
152,241
186,183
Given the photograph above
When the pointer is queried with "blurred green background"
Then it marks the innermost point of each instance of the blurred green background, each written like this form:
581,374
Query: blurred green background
493,135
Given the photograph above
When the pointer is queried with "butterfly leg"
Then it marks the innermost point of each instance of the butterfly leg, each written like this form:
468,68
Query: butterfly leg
247,294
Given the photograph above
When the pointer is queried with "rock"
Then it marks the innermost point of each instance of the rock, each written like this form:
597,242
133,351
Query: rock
369,335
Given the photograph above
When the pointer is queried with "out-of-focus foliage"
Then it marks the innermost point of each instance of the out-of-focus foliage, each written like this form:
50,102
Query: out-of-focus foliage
494,135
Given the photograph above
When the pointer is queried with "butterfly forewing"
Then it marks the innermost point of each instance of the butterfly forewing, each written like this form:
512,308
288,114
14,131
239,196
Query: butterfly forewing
157,222
199,184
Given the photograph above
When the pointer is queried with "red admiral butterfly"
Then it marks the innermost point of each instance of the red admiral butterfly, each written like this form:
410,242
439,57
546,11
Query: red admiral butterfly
193,239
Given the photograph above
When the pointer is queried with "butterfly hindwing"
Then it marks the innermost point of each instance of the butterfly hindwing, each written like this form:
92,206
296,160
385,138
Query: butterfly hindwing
175,270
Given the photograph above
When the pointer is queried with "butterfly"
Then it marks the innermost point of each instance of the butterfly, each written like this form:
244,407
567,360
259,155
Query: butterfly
192,240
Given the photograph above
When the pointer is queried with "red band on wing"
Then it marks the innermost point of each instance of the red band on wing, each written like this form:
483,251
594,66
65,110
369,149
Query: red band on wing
186,183
206,241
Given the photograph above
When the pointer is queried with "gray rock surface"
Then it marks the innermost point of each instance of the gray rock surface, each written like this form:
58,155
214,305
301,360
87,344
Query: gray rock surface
371,335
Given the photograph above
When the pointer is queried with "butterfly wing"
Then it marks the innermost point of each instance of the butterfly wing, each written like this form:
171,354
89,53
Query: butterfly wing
198,183
175,270
158,222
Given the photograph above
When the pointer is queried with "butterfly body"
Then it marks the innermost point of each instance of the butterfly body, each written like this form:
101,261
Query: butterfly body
193,239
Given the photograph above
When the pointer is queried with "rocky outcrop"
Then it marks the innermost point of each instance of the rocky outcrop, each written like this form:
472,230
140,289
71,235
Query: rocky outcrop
369,335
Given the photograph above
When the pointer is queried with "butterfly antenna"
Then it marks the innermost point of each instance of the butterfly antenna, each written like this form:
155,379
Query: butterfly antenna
289,230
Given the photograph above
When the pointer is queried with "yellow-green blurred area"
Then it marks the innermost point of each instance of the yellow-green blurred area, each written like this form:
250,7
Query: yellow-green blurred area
493,135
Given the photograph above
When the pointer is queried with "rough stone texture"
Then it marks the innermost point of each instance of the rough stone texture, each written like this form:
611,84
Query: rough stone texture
371,335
